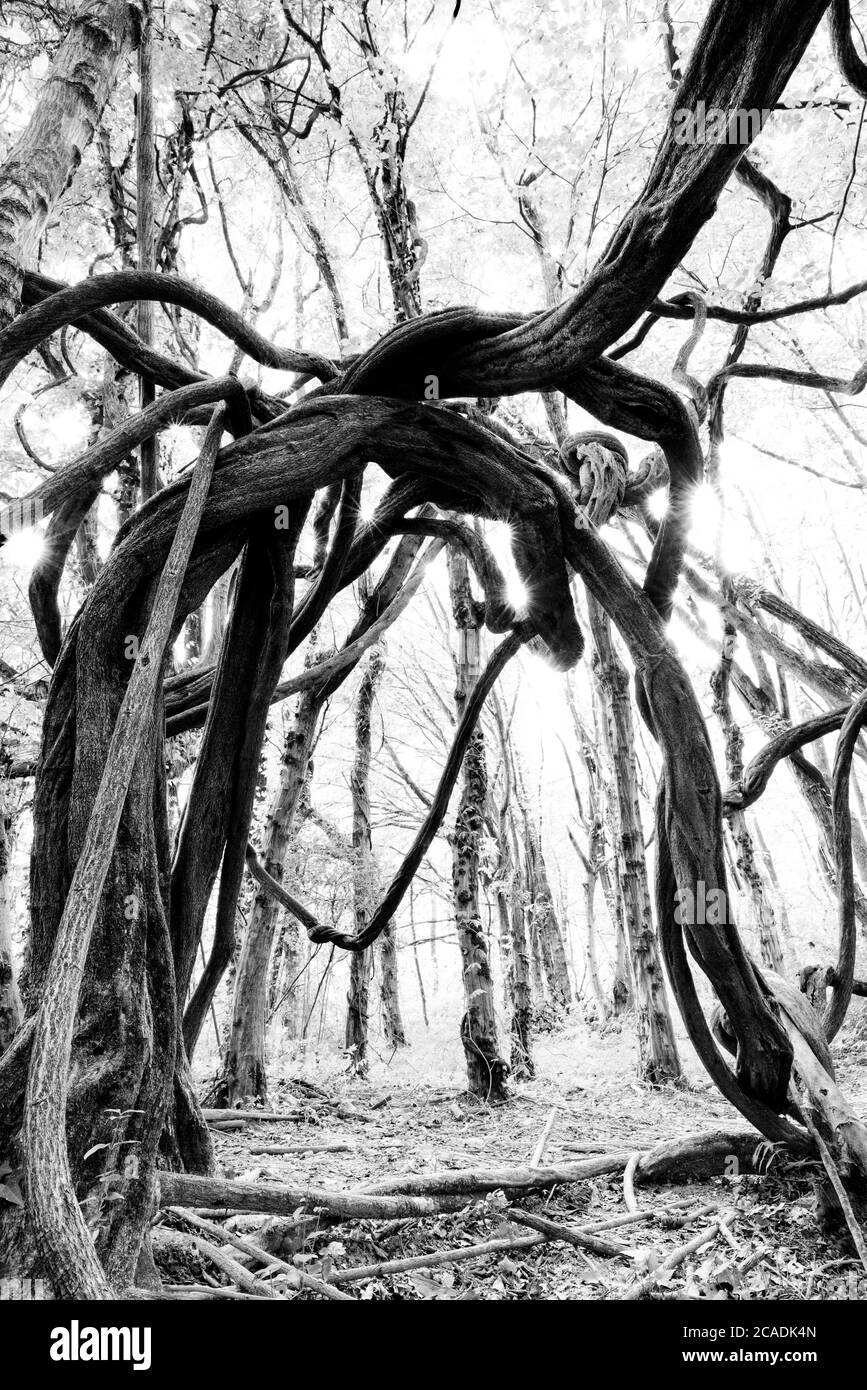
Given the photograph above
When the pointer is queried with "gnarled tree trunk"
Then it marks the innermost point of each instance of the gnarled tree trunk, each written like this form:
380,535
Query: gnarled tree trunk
486,1069
37,170
763,910
658,1059
10,1002
244,1074
361,962
543,919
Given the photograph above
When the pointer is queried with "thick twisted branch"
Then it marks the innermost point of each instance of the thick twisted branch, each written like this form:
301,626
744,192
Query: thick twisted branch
761,768
851,64
841,987
72,303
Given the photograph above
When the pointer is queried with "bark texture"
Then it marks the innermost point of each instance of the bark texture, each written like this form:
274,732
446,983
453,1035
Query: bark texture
10,1000
245,1076
486,1069
658,1058
44,159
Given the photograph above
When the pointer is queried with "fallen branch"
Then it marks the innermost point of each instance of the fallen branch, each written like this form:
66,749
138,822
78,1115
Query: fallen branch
253,1116
470,1181
538,1152
848,1132
837,1183
669,1219
279,1199
676,1258
193,1293
332,1146
239,1276
628,1182
698,1155
573,1148
554,1230
440,1257
299,1278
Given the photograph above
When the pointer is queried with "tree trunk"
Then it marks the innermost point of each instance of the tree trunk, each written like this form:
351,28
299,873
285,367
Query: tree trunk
37,170
658,1059
392,1019
89,563
415,956
523,1065
537,974
608,865
145,169
594,856
518,977
543,919
365,887
763,911
361,962
771,871
100,858
486,1069
508,888
602,1005
10,1002
244,1077
217,608
285,996
358,1011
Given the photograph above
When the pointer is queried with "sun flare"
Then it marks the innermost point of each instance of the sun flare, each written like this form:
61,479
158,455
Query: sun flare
24,549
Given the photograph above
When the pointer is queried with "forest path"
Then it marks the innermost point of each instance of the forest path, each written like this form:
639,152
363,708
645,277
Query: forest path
401,1127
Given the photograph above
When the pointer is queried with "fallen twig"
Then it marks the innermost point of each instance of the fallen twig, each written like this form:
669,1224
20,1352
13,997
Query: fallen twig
554,1230
197,1292
668,1217
331,1146
239,1276
252,1116
300,1278
538,1152
628,1182
674,1259
572,1146
439,1257
752,1260
219,1213
674,1219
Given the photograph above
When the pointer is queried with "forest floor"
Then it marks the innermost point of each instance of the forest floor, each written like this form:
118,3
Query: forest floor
393,1124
